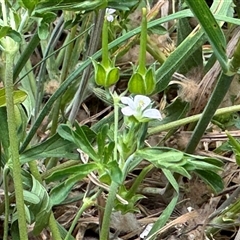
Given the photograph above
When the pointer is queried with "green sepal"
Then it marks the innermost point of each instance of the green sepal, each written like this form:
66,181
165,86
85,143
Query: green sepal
105,75
112,77
142,83
100,74
136,84
150,81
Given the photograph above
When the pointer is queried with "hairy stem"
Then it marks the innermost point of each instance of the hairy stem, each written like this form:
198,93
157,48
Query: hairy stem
13,139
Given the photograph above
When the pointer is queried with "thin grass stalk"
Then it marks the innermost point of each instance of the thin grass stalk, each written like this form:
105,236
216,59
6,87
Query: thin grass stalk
64,72
55,35
93,45
216,98
25,55
184,121
55,113
80,42
235,62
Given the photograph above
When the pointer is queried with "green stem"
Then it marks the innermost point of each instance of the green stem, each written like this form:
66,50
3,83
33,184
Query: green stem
187,120
54,228
6,198
116,107
143,43
13,139
138,181
105,58
155,52
104,234
87,202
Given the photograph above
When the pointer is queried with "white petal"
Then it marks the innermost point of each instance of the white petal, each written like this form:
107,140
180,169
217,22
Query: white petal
127,111
152,113
142,101
110,11
128,101
110,18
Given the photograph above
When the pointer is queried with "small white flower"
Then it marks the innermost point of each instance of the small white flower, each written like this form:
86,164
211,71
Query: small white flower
139,107
109,14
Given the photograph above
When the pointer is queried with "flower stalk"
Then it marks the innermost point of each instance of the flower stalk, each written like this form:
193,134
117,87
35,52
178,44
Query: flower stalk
142,80
105,58
143,43
104,235
106,74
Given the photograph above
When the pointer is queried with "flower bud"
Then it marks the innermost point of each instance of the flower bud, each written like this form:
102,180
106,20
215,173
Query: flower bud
142,83
105,76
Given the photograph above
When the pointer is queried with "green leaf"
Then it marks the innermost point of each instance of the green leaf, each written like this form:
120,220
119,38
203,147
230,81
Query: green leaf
4,137
212,30
30,4
90,134
65,132
172,160
52,147
177,58
8,31
155,154
164,217
30,197
83,143
108,152
101,139
69,5
18,96
83,169
42,210
4,31
49,17
212,179
115,172
205,165
235,146
21,121
195,59
43,30
79,138
124,5
159,30
59,193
